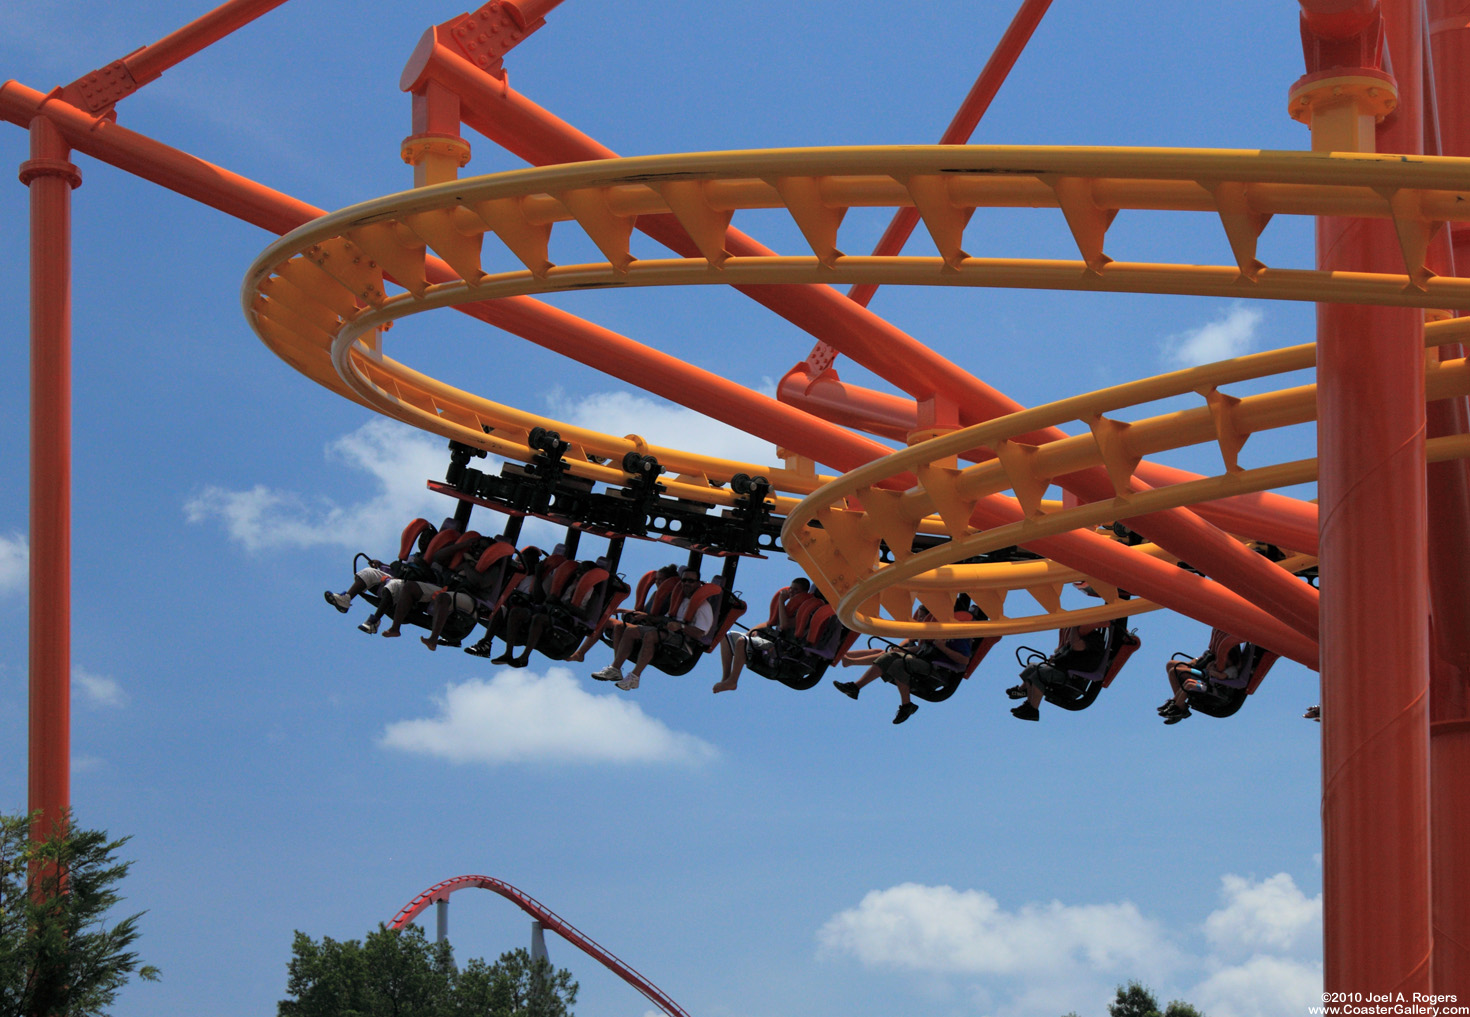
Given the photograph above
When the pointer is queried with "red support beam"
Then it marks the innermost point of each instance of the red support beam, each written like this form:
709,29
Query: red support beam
100,89
51,177
966,119
1448,129
484,36
1373,503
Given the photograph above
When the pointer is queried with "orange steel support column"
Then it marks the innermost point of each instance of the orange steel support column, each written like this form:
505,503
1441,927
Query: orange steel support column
50,176
1375,647
1449,517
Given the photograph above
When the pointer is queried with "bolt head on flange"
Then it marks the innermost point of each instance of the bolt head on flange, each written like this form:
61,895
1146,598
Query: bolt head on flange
415,148
1371,91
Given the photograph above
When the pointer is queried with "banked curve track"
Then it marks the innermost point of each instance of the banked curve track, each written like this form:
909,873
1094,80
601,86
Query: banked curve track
549,919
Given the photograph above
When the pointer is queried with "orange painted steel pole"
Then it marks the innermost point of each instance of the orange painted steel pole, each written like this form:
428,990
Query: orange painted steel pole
1449,516
103,87
1375,647
50,176
966,119
151,61
491,107
156,162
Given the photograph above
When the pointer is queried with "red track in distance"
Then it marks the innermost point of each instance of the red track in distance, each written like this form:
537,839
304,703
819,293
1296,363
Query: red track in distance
549,919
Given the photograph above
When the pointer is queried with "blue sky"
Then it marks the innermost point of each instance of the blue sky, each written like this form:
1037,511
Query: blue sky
760,853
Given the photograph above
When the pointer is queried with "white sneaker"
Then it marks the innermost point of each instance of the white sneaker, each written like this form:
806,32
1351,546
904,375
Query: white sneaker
338,600
611,673
370,627
629,683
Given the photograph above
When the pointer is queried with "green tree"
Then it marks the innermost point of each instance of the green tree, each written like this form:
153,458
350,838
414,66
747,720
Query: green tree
1135,1000
402,974
58,957
515,986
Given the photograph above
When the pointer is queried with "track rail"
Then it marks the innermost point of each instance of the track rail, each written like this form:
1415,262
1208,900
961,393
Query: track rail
318,298
549,919
834,533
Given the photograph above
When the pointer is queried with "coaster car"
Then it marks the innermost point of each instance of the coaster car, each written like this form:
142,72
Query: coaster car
1078,689
578,591
1221,695
800,658
668,603
942,683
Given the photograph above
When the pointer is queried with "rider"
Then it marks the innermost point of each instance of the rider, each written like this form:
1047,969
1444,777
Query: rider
470,589
1222,660
529,598
563,606
375,574
681,633
1079,648
634,617
914,657
416,588
761,641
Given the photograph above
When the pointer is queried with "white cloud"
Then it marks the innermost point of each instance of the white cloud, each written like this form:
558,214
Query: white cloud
98,690
1257,955
519,716
15,562
1270,914
398,458
660,423
1230,335
1261,987
943,930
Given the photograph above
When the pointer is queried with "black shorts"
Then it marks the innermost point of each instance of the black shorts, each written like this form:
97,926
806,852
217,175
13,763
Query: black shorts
900,666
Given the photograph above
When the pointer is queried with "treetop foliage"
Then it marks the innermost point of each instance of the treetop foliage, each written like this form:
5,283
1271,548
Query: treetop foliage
402,974
1135,1000
58,957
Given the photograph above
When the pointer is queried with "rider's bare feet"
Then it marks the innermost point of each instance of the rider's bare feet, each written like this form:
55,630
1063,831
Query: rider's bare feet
430,642
392,633
724,686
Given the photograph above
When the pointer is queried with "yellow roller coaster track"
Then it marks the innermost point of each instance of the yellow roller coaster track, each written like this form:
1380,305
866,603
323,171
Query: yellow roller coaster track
317,297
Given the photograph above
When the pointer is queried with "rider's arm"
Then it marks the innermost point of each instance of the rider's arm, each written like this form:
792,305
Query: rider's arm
697,632
959,658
